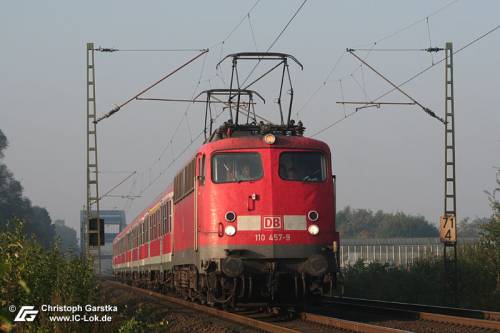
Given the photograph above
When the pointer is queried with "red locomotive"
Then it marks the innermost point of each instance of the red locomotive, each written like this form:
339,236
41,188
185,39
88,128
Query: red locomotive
251,216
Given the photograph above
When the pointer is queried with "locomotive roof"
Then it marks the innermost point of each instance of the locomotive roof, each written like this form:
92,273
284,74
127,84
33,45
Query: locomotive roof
257,142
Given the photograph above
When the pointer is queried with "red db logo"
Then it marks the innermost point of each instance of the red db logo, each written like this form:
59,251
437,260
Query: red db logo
272,222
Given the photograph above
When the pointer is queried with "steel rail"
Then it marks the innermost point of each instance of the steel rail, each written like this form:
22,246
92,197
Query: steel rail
479,323
428,316
460,312
267,327
347,324
263,325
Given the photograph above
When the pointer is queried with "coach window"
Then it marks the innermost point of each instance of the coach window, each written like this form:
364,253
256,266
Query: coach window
302,166
236,167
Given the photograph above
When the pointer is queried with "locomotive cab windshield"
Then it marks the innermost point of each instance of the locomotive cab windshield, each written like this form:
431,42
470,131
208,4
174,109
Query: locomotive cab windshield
302,166
236,167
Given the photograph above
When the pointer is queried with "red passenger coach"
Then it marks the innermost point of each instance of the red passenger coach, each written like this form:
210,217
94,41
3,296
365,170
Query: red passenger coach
250,217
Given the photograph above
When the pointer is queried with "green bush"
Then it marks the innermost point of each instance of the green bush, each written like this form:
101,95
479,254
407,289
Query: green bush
31,275
423,282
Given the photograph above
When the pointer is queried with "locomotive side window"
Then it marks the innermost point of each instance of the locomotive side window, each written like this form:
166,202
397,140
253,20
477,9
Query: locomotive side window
184,181
158,224
163,219
169,214
201,170
142,232
302,166
236,167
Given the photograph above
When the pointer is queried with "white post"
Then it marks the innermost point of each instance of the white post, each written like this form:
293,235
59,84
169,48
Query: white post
399,255
342,256
406,256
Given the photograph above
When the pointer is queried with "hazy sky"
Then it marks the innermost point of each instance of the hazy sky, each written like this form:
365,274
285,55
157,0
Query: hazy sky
389,158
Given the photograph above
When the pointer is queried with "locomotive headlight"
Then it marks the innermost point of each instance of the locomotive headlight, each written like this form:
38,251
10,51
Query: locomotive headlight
313,229
313,215
230,230
230,216
269,139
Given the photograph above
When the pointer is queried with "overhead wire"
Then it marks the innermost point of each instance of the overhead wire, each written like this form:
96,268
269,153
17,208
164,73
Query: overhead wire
238,25
275,40
438,62
107,49
430,39
411,25
185,117
475,40
175,159
321,86
218,71
342,96
371,49
253,33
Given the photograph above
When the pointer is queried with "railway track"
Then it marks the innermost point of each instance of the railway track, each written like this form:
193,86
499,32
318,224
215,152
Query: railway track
468,313
346,314
412,317
274,322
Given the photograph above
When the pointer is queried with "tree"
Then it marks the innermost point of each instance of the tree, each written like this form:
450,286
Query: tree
14,205
363,223
490,236
471,229
66,235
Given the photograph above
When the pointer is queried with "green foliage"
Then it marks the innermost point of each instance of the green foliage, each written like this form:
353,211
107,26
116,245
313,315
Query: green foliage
13,205
392,283
363,224
32,275
471,228
491,233
422,282
132,326
66,236
478,269
142,322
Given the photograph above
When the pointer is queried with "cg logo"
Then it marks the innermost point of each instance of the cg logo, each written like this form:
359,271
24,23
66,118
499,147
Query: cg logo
27,313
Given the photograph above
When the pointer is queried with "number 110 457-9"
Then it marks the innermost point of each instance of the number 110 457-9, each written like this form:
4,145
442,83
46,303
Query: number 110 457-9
273,237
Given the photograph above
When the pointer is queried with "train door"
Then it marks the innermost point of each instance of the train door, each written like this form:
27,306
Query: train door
198,193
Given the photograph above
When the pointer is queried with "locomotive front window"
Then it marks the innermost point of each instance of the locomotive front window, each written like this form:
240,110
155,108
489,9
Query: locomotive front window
302,166
236,167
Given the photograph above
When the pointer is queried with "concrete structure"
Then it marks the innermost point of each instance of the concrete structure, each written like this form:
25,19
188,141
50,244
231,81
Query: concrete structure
114,222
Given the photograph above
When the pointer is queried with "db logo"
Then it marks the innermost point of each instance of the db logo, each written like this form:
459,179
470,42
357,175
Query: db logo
272,222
